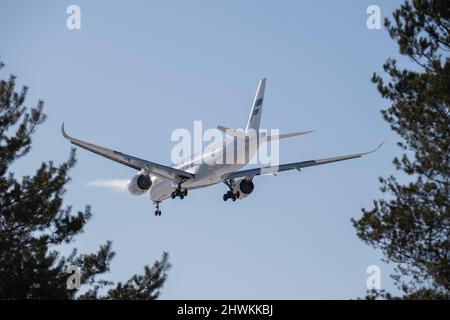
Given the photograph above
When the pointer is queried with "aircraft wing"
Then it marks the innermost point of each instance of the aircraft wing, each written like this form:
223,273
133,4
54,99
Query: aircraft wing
131,161
273,170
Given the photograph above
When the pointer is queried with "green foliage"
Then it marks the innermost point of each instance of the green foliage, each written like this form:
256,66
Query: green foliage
34,221
412,226
139,287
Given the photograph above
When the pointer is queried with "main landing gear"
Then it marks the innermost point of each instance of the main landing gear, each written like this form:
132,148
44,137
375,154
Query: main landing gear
178,192
157,211
230,194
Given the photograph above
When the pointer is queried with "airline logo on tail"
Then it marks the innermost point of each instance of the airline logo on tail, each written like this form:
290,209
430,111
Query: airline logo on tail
257,107
255,115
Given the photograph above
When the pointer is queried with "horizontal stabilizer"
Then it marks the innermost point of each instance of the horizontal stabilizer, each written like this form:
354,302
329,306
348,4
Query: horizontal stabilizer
232,132
263,137
286,135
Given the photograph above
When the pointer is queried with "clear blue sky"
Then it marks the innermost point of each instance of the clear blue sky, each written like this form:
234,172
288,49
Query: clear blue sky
139,69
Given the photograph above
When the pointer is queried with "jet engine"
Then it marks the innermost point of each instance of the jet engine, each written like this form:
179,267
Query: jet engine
243,187
139,184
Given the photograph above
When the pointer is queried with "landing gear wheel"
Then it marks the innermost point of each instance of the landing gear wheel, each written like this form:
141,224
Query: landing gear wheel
230,194
157,211
178,192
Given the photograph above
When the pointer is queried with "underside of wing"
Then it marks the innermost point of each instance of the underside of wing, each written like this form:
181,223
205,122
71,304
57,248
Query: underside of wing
156,169
295,165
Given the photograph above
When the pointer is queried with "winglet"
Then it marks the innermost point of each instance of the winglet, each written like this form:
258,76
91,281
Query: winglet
65,135
379,146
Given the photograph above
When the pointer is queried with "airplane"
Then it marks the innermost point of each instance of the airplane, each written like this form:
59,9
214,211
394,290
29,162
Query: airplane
163,182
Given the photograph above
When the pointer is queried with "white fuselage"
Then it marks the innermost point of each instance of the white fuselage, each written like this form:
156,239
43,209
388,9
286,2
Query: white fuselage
210,166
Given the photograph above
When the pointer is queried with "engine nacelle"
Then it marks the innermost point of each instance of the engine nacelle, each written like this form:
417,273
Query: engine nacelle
139,184
244,186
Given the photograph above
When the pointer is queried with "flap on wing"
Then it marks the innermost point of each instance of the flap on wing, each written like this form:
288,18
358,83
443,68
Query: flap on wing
131,161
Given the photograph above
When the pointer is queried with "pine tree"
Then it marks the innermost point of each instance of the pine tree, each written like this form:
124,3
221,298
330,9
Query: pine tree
34,221
412,224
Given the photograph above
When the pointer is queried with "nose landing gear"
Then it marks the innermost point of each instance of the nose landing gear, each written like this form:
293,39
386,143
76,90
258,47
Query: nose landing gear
157,211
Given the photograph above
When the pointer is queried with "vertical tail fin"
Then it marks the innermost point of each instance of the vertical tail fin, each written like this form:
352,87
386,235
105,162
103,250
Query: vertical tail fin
254,119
